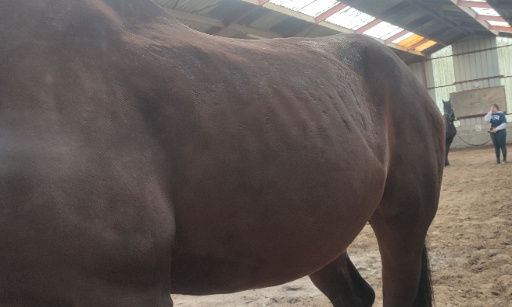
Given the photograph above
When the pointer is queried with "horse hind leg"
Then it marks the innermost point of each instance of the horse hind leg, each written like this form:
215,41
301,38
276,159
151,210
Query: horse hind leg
342,284
447,146
401,230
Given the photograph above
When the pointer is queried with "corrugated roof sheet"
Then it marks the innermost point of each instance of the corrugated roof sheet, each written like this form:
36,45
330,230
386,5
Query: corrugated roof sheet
383,30
350,18
315,8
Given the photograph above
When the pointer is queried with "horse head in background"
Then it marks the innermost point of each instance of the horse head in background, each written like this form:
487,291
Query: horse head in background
451,131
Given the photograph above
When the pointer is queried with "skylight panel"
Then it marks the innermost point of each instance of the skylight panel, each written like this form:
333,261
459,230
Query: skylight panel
411,41
498,23
284,3
293,5
403,37
485,11
350,18
383,30
318,7
426,45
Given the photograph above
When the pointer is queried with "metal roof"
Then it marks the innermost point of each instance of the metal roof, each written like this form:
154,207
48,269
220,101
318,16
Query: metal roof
412,28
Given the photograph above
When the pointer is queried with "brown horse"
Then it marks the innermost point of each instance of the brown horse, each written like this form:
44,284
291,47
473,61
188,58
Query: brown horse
140,158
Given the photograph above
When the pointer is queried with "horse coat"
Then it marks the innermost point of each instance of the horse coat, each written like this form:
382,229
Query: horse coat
140,158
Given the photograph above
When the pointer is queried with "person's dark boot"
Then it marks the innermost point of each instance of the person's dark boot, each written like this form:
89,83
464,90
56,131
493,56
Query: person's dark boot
497,160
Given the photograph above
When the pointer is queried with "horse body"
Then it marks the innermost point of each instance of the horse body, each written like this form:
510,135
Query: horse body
141,158
451,131
283,174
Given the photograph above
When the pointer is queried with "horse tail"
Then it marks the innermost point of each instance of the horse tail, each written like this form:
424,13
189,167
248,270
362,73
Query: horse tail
425,296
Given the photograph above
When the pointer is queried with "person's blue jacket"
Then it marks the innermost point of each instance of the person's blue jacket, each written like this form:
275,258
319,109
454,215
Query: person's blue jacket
497,120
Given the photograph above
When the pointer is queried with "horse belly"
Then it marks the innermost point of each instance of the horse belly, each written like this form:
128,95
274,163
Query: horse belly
250,224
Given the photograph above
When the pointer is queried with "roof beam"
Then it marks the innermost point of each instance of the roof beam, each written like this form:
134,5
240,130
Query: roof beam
392,38
241,13
193,18
238,15
338,7
493,18
423,41
368,26
484,5
188,17
501,29
305,26
415,52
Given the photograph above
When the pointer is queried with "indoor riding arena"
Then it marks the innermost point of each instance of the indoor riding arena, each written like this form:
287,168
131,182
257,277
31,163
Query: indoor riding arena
469,241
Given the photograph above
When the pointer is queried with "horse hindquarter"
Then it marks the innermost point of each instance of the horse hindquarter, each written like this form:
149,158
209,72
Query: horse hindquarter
416,137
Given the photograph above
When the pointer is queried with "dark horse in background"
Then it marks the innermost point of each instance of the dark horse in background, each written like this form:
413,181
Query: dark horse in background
140,158
451,131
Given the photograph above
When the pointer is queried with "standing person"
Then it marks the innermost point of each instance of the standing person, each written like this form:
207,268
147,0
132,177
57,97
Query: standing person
498,133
